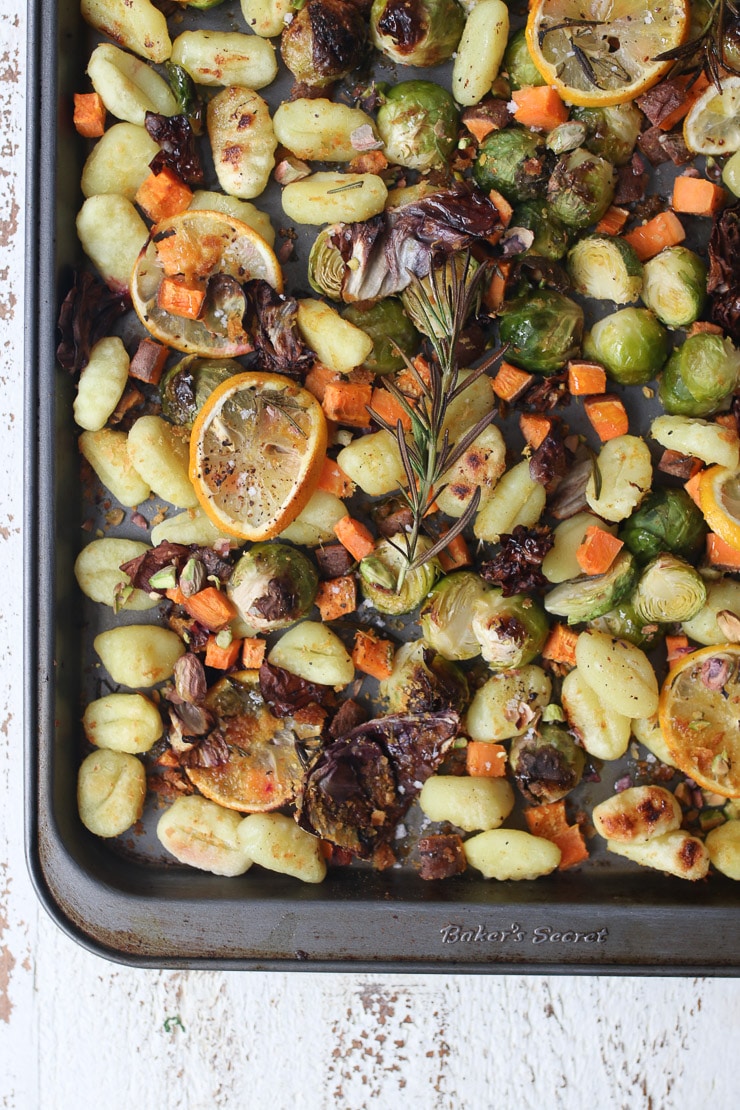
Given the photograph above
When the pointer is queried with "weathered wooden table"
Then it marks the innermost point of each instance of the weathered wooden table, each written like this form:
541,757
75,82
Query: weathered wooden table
77,1032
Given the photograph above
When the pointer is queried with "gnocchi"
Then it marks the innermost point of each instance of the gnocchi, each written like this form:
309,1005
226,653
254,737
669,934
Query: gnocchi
107,452
128,87
276,842
470,803
136,24
625,476
516,500
723,845
159,453
480,52
99,575
312,651
339,344
318,130
101,384
243,141
113,255
506,705
203,834
123,723
111,789
637,814
677,853
327,197
119,161
604,733
139,655
511,854
619,673
223,58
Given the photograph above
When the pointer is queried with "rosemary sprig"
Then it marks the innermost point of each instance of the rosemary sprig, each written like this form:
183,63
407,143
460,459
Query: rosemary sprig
429,454
706,52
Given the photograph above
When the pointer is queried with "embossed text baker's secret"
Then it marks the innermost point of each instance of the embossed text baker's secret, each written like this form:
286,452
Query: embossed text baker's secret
542,934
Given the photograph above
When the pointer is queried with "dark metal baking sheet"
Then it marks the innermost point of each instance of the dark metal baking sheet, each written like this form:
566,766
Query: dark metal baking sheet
129,906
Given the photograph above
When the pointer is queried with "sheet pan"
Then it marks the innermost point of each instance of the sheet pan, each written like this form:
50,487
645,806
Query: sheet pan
123,901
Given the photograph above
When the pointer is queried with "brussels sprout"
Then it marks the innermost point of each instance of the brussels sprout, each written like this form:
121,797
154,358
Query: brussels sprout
581,188
543,330
699,375
612,131
630,343
566,136
326,267
511,631
623,623
669,589
439,322
423,681
518,63
273,585
381,571
389,328
324,42
513,161
189,383
423,35
588,597
607,268
547,764
551,238
447,614
675,286
667,520
418,123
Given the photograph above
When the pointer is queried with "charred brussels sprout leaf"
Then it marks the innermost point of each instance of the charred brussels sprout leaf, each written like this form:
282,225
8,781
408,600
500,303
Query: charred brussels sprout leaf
581,188
551,238
423,681
416,32
519,65
587,597
513,161
358,789
699,375
542,330
447,615
631,344
324,42
390,330
669,590
418,123
547,764
611,132
675,286
380,574
273,585
186,386
607,268
667,520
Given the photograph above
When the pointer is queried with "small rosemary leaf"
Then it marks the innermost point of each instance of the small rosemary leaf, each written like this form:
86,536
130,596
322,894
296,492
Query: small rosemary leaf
472,377
597,477
405,458
403,400
459,526
345,188
380,420
470,436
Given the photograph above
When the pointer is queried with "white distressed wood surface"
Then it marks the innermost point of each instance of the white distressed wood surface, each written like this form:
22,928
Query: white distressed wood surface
77,1032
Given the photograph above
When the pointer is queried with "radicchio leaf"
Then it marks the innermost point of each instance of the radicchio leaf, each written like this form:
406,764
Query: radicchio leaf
358,789
723,282
274,327
517,568
286,692
178,151
88,312
141,569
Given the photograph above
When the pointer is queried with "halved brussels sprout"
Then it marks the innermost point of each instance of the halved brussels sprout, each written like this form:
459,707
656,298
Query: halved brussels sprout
583,599
511,631
423,681
439,322
424,35
667,520
324,41
630,343
699,375
513,161
675,286
546,764
418,123
326,267
381,571
612,131
185,387
447,615
273,585
581,188
669,590
389,328
518,63
551,238
543,330
624,624
607,268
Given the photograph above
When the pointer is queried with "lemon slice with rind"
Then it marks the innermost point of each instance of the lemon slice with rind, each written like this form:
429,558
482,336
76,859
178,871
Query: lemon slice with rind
719,496
603,52
263,770
712,125
699,717
212,254
257,449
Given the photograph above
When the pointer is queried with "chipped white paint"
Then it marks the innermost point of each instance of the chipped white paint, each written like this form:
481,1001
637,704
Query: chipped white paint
78,1033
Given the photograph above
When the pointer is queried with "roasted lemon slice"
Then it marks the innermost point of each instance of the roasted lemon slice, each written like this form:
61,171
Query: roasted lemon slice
263,770
602,52
719,494
700,717
256,452
712,125
186,285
